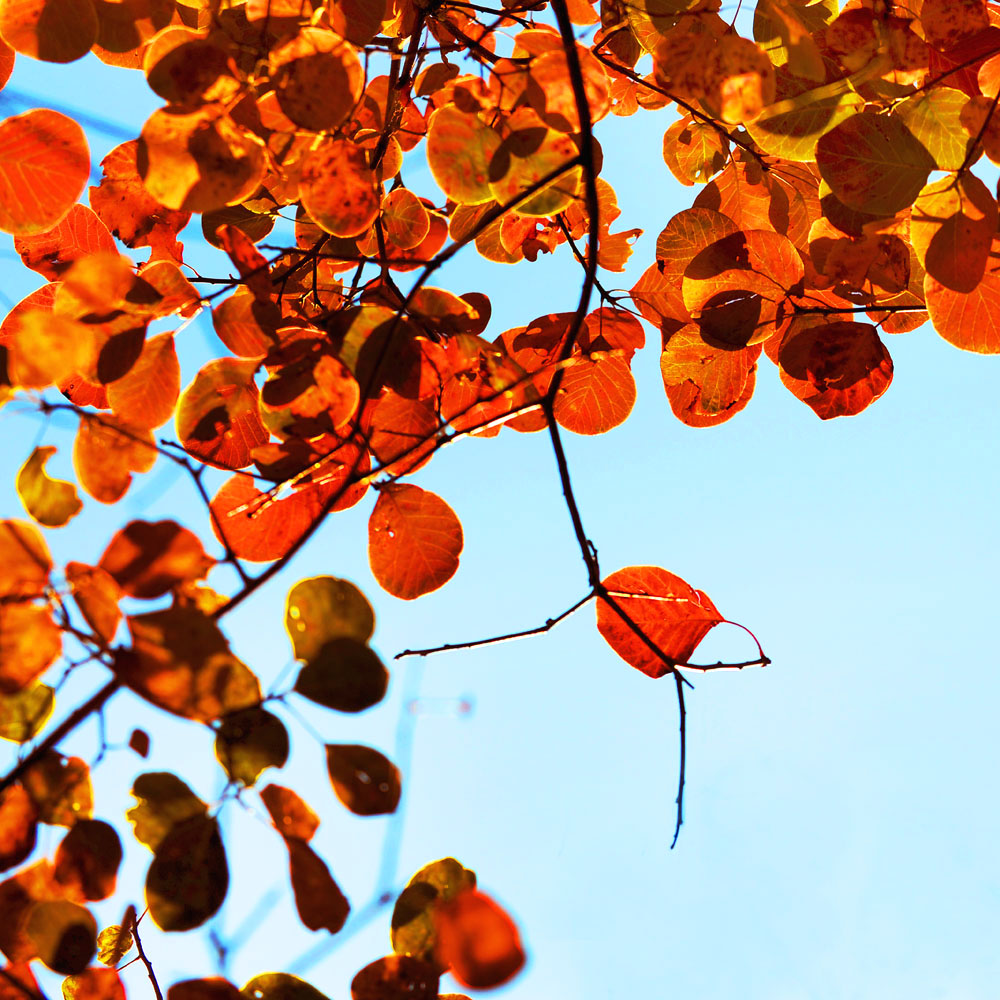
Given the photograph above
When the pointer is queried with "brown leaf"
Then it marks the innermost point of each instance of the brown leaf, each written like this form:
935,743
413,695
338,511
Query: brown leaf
366,781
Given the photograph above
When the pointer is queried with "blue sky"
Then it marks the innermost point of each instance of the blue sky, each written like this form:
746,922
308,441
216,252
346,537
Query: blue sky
841,804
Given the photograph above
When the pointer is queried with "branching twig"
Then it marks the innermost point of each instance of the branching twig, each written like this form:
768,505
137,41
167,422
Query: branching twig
143,957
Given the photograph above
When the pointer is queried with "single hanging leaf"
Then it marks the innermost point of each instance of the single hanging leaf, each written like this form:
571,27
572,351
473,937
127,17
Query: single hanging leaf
280,986
94,984
291,816
97,594
345,675
114,942
164,802
873,163
23,713
477,940
138,742
44,165
60,788
396,977
414,541
149,558
18,826
189,877
87,860
249,741
321,904
672,614
59,31
838,369
52,502
64,935
323,608
366,781
413,929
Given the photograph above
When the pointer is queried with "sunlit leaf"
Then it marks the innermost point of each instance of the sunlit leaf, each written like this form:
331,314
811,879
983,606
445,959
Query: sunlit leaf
60,788
290,814
78,234
87,860
366,781
64,935
113,944
323,608
25,562
396,977
969,320
48,348
338,188
188,878
23,713
57,31
413,928
52,502
44,164
147,394
30,641
249,741
321,904
148,558
18,826
280,986
106,453
94,984
164,802
414,541
97,594
673,616
596,394
343,674
181,661
477,940
459,149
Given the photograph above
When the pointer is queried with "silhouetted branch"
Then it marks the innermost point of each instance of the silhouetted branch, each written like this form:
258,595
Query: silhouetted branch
143,957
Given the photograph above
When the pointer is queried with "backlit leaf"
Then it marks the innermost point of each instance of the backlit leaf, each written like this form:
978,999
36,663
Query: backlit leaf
934,118
164,802
477,940
87,860
18,826
23,713
97,594
148,558
181,661
969,320
52,502
323,608
79,234
94,984
44,164
249,741
338,188
873,163
188,878
57,31
291,816
321,904
280,986
366,781
25,562
413,928
64,935
60,788
113,944
460,147
48,348
106,453
343,674
596,394
147,394
396,977
672,614
414,541
30,641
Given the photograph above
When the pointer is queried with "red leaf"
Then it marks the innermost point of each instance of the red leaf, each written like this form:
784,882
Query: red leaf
321,904
478,940
79,234
414,541
672,614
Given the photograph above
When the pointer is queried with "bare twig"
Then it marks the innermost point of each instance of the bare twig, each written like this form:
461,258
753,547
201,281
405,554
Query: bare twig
143,957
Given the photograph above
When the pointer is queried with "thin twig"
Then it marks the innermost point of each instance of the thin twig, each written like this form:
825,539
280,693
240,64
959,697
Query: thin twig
143,958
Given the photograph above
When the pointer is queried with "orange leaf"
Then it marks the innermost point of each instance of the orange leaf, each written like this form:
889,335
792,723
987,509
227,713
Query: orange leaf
478,940
94,984
146,395
52,30
673,615
44,164
25,562
30,641
366,781
106,453
78,234
149,558
18,826
596,394
414,541
291,816
97,594
87,860
248,259
338,188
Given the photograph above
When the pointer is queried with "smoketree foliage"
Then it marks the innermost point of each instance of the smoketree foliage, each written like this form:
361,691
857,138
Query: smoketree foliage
832,157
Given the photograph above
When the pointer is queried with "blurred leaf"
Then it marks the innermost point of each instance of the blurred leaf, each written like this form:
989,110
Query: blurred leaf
148,558
113,944
324,608
249,741
52,502
60,787
23,713
280,986
189,877
64,935
204,989
344,674
291,816
413,930
97,594
18,826
321,904
138,742
164,803
25,562
94,984
477,940
87,860
396,977
366,781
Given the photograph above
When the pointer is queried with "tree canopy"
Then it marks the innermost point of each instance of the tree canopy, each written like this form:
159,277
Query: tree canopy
833,152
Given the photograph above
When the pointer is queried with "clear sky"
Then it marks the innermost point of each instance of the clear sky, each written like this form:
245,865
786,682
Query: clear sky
841,821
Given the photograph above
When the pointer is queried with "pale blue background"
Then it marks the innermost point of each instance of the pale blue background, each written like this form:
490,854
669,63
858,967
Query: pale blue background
841,829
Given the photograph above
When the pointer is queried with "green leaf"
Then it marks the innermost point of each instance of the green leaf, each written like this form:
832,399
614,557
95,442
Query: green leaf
934,118
64,935
324,608
52,502
113,944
